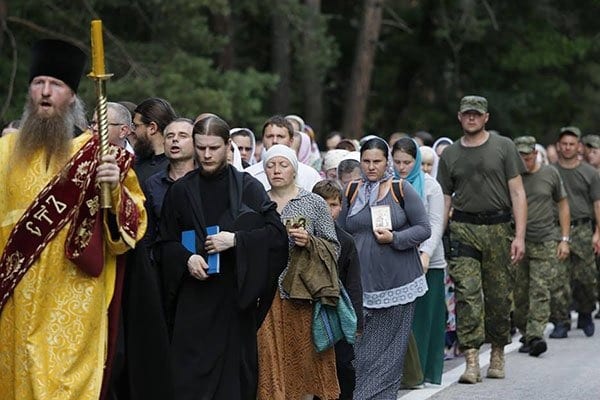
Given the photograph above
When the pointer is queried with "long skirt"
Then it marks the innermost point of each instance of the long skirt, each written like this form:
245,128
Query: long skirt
380,352
429,327
289,367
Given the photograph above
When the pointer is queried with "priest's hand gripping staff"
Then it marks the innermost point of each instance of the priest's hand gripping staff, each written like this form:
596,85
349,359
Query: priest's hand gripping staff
100,77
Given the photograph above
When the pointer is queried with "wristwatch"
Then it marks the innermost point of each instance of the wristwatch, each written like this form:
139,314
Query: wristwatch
566,239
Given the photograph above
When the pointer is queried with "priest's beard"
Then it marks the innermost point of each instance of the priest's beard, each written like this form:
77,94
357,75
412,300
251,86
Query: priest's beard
143,148
52,134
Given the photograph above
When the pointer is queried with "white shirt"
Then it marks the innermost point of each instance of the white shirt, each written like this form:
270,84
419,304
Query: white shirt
306,178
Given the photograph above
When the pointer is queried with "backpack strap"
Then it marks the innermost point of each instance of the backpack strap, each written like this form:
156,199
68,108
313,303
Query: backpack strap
351,192
398,192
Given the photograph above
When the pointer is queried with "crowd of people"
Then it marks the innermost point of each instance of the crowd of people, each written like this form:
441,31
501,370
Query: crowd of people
222,253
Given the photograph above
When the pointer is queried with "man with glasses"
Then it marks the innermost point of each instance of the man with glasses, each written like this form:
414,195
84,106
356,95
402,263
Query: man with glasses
150,119
119,125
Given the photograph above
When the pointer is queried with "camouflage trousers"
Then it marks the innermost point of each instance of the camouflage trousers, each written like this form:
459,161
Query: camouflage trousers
560,294
534,277
483,288
577,285
598,278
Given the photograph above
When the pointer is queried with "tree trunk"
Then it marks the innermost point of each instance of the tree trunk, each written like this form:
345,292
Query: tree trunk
223,25
280,58
312,76
3,12
360,79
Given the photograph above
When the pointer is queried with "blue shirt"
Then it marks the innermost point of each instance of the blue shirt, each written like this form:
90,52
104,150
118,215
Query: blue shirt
154,189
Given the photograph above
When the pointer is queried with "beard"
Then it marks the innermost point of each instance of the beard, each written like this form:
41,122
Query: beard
213,170
143,147
51,134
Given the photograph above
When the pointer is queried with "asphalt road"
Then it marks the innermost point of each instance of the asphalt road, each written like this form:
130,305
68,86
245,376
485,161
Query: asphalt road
569,370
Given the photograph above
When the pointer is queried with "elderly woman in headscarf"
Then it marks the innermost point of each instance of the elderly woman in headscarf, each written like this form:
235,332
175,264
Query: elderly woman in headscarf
289,365
331,161
429,324
429,160
391,271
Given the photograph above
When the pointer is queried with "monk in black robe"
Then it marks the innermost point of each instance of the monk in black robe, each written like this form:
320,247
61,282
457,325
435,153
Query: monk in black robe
213,319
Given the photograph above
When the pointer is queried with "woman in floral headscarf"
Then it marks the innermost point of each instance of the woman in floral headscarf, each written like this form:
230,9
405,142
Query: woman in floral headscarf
391,271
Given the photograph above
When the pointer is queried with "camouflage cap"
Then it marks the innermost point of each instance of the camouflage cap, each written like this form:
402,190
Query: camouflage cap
473,103
592,141
573,130
525,144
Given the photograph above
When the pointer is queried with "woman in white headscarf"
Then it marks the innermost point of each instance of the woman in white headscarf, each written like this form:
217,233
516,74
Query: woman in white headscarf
440,144
234,157
289,365
246,142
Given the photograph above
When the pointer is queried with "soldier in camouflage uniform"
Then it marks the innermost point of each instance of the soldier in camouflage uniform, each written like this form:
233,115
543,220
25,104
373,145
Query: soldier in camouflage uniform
537,272
582,183
480,176
591,154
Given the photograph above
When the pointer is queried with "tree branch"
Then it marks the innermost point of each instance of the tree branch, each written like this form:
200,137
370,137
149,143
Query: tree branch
35,27
13,72
490,11
120,45
396,21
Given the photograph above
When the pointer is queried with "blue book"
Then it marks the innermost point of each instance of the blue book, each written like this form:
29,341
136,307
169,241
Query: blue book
213,260
188,240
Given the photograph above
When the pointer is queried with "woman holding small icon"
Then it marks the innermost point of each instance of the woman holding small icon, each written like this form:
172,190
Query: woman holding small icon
391,271
289,365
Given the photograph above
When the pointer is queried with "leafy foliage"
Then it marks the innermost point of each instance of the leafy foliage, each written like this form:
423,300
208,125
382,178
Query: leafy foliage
536,61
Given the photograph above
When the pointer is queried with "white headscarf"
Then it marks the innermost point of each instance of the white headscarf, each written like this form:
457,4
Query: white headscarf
441,141
252,139
333,158
436,159
280,150
237,157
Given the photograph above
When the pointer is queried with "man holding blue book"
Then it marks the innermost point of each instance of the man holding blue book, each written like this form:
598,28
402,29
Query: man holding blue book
221,247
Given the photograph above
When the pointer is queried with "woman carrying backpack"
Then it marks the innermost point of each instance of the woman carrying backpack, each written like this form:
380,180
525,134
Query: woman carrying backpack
388,221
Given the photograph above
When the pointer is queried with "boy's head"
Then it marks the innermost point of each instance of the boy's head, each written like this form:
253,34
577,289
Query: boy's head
331,191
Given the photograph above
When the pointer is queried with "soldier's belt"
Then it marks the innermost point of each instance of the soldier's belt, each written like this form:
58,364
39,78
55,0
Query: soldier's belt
581,221
482,218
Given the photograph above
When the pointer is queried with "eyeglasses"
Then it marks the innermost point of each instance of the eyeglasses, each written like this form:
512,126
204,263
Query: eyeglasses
93,124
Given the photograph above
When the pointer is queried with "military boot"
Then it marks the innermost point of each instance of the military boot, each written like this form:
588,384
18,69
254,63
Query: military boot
472,373
496,369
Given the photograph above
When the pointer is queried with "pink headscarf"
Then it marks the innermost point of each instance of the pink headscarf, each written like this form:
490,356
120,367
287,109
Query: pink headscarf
305,149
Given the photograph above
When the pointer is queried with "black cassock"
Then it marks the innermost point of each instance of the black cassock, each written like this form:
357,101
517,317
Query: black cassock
213,323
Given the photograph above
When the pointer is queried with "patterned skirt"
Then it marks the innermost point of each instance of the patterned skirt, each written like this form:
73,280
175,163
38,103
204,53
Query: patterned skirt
380,352
288,365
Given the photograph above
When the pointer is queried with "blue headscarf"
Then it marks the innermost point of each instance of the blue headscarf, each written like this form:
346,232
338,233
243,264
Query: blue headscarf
416,176
369,190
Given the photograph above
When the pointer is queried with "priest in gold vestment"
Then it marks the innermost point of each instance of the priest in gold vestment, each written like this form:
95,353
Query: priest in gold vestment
59,249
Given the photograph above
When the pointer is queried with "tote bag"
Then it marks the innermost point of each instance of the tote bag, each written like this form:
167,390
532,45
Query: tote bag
331,324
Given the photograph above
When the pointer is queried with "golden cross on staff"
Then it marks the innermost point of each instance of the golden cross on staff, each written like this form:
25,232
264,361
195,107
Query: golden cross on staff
100,77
